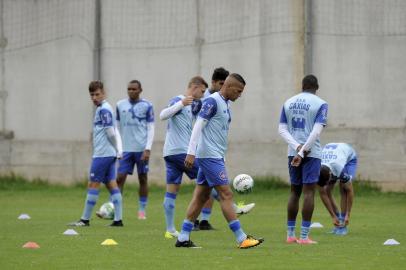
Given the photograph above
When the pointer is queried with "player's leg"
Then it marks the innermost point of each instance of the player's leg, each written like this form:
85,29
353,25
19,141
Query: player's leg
347,192
329,191
310,172
169,208
216,175
125,167
142,169
205,215
295,174
97,175
174,170
115,195
200,196
117,200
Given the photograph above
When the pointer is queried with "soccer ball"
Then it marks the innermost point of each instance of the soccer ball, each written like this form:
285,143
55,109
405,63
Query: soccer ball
106,211
243,183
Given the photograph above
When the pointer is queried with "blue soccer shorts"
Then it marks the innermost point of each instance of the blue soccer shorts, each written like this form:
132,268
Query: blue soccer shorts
128,161
212,172
308,171
349,171
103,169
175,167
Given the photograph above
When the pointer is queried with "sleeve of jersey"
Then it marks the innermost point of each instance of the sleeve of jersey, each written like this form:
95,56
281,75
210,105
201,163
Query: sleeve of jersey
209,108
106,118
196,133
283,119
173,108
150,114
150,135
321,116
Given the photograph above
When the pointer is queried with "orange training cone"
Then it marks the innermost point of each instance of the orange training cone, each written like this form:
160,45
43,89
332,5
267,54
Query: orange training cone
31,245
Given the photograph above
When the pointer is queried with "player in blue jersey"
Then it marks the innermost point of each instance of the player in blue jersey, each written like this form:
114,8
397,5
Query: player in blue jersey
106,149
135,120
302,120
339,162
180,114
209,144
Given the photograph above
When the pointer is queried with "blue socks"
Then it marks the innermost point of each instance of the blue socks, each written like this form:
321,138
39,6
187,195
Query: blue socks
117,200
143,203
291,228
169,207
205,214
91,200
187,227
235,226
341,218
304,233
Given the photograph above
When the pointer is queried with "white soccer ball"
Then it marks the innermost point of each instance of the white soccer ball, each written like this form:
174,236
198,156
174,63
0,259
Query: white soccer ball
106,211
243,183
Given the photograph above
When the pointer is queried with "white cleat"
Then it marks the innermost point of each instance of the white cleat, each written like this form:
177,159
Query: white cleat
244,208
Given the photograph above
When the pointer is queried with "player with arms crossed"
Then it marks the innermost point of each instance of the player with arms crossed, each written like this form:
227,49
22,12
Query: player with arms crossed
339,162
135,119
302,120
106,149
209,136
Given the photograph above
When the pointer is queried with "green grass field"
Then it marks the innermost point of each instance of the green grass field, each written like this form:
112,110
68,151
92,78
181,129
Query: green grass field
141,245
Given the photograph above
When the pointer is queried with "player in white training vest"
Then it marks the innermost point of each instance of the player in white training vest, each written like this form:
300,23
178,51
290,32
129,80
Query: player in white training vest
339,162
303,117
209,136
106,149
135,120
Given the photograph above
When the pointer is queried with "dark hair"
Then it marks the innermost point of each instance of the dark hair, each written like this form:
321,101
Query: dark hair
197,80
310,82
238,77
324,176
219,74
94,85
137,82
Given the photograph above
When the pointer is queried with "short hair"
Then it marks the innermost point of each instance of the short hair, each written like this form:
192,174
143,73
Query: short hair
197,80
324,176
219,74
238,77
137,82
310,82
94,85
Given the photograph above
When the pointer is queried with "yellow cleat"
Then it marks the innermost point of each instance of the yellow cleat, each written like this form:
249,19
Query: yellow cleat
171,235
250,242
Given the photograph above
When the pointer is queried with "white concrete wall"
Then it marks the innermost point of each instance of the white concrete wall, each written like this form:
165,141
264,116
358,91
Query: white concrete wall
358,56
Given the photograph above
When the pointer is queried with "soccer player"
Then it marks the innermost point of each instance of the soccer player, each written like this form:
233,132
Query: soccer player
339,162
302,120
217,80
209,144
106,149
180,114
135,120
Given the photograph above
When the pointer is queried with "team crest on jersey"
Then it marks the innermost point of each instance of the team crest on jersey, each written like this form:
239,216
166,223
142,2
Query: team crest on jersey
223,175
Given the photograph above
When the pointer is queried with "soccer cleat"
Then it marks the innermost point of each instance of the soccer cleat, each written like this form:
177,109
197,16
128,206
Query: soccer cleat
117,223
291,240
250,242
186,244
171,235
80,223
307,241
196,225
244,208
204,225
342,231
141,215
